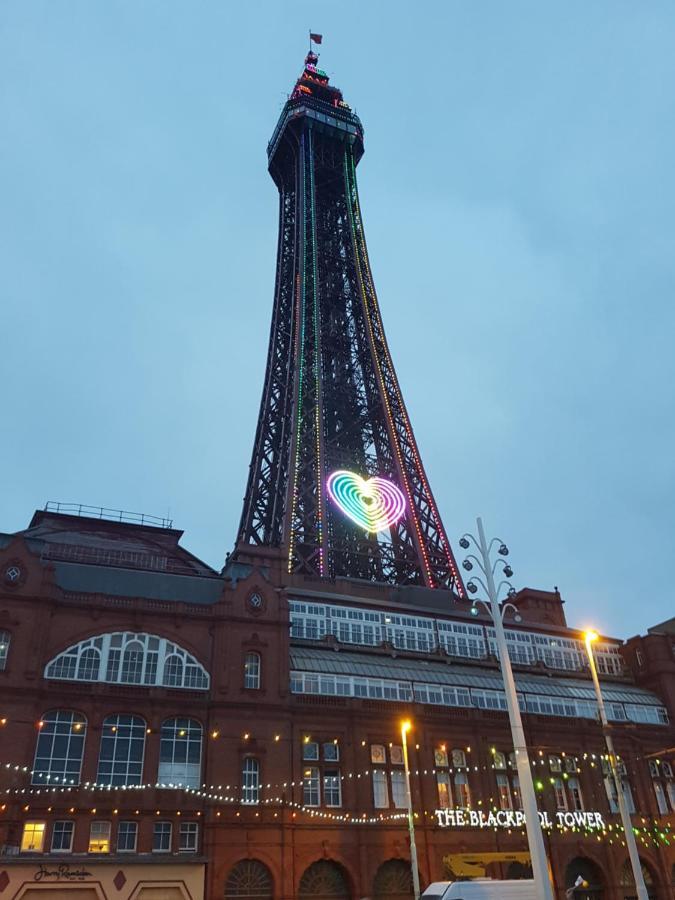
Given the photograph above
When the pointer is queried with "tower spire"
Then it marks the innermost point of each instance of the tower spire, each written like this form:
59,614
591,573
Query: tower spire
336,479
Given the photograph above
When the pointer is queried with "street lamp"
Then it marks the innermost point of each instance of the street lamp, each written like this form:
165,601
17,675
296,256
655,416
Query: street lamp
631,844
535,838
405,728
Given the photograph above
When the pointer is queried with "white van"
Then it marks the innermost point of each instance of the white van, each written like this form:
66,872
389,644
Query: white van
483,889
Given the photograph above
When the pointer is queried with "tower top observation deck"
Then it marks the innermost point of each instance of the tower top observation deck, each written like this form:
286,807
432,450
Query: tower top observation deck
315,99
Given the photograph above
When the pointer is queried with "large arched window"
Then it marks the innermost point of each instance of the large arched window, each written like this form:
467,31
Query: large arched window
250,780
180,753
59,749
120,758
124,657
5,638
322,879
393,881
252,671
249,880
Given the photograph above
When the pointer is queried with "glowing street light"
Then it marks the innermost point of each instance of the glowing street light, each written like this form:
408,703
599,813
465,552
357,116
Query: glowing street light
405,728
640,886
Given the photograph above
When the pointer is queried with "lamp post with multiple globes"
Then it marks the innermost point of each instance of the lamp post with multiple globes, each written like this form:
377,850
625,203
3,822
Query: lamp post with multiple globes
540,868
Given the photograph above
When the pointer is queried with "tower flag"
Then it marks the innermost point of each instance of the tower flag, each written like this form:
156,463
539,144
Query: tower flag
317,38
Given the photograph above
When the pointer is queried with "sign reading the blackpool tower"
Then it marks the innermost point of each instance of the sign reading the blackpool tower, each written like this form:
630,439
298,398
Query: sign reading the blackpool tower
508,818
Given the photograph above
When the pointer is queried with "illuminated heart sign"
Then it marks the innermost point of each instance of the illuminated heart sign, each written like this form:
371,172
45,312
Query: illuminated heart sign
373,503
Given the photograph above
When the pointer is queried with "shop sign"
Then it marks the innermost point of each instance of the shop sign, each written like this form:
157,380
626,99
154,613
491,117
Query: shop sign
508,818
61,872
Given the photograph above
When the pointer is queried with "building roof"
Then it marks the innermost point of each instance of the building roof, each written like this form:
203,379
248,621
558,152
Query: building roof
310,659
119,558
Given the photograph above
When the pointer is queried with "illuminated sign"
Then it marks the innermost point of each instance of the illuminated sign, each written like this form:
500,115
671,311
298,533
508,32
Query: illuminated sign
509,818
373,503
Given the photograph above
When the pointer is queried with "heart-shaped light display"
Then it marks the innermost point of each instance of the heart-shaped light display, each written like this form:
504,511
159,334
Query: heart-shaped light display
373,503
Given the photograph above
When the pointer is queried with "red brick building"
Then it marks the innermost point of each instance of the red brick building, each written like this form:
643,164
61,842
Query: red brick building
168,731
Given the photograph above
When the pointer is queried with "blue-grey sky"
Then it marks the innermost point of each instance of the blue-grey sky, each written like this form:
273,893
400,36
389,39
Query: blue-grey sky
518,191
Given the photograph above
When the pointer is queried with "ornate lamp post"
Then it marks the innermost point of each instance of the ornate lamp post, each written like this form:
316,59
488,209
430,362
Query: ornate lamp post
405,728
631,844
496,611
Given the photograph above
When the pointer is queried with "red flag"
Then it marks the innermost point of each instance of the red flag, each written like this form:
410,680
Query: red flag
317,38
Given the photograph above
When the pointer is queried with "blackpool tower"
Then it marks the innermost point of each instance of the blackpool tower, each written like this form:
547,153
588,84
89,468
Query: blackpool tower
336,481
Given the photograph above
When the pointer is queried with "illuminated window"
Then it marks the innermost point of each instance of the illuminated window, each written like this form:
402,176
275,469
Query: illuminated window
5,638
188,837
62,836
504,791
122,748
499,760
33,838
250,781
462,791
99,837
252,671
398,793
60,746
180,753
129,658
161,841
127,835
444,793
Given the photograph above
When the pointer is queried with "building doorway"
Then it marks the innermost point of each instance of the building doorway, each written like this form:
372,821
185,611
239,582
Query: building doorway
393,881
249,879
591,875
324,880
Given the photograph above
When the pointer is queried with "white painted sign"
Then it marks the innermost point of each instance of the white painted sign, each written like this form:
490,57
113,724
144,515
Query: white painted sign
510,818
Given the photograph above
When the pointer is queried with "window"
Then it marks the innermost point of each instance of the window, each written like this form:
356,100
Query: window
560,795
574,787
639,658
122,748
517,796
161,840
380,790
504,791
443,787
571,764
127,835
459,759
398,792
670,790
129,658
5,639
462,792
252,671
180,753
99,837
33,837
62,836
499,760
310,787
59,749
250,781
188,837
661,801
324,776
555,763
378,753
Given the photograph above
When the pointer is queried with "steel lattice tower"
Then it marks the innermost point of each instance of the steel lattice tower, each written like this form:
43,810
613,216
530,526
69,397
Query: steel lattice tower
331,399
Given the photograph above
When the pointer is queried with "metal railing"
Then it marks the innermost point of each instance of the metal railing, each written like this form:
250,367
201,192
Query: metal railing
110,515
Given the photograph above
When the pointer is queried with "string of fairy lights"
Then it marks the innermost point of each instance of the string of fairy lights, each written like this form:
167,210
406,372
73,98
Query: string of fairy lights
650,831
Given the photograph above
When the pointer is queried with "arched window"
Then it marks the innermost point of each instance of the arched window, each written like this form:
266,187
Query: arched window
252,671
393,880
120,758
59,749
180,753
123,657
324,879
250,781
249,880
5,638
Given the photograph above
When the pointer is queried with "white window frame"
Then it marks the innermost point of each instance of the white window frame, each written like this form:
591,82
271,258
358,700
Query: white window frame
181,735
69,832
252,671
36,827
100,832
188,837
5,642
121,731
59,723
132,831
250,781
162,830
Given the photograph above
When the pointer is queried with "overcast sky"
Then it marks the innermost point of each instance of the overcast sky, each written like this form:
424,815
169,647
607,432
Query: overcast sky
518,191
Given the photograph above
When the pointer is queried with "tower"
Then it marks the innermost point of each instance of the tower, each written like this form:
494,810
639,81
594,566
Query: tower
336,478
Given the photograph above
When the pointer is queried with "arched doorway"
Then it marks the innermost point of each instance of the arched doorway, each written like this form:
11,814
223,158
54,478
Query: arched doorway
324,880
588,876
627,881
393,880
249,879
